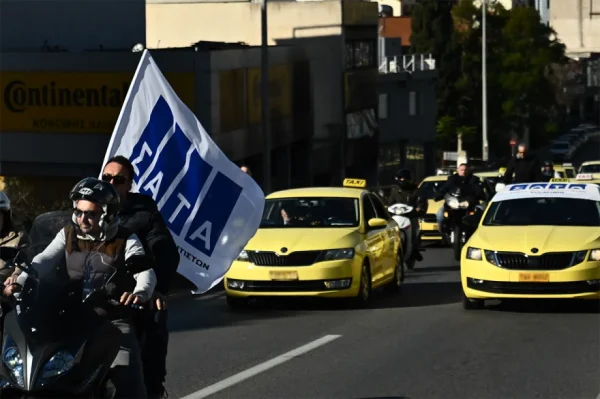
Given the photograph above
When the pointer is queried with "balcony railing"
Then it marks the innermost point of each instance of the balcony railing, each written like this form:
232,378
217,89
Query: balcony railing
407,63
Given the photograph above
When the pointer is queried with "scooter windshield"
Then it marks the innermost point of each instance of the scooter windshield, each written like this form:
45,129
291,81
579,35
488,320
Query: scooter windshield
45,227
49,308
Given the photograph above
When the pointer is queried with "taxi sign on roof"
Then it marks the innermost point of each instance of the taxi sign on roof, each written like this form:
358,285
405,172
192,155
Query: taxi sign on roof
567,164
556,180
549,190
355,183
584,176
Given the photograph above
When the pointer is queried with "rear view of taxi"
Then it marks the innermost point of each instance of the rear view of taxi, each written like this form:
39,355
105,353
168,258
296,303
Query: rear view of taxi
538,240
334,242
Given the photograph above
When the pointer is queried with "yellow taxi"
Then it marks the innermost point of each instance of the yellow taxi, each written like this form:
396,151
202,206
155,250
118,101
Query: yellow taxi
536,240
565,171
428,223
334,242
589,172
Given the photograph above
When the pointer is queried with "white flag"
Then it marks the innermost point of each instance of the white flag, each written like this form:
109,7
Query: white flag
211,207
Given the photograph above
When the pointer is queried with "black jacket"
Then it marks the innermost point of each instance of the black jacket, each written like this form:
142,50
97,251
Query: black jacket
470,185
408,195
526,170
140,215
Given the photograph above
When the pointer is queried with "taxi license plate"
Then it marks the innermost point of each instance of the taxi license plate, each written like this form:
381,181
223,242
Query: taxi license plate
284,276
534,277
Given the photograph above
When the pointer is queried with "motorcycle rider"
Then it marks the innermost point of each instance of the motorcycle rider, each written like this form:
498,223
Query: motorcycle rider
524,166
548,172
469,185
139,213
95,240
406,193
9,237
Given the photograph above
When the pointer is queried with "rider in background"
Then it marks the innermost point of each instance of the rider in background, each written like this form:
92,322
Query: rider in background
469,184
406,193
524,166
548,172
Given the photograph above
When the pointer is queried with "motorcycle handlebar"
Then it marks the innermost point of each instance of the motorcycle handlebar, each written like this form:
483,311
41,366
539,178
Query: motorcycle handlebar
133,305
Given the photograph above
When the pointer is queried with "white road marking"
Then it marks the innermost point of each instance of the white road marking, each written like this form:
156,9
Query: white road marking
269,364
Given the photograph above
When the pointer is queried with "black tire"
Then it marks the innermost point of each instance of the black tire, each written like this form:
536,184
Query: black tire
237,303
364,291
396,284
457,245
472,304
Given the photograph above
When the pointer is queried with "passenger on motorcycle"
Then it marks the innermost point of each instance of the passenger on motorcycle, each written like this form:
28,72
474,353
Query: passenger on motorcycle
406,193
9,237
139,213
95,240
469,185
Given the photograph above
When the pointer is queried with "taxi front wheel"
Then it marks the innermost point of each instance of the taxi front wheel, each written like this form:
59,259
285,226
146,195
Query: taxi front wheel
364,289
472,304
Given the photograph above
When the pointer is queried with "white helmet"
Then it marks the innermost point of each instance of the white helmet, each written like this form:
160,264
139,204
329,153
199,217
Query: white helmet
4,202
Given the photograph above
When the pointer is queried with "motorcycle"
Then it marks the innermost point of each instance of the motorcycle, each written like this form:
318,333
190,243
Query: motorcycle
456,207
406,228
54,342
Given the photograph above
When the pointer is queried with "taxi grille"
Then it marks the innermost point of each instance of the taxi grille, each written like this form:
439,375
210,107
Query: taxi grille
549,261
299,258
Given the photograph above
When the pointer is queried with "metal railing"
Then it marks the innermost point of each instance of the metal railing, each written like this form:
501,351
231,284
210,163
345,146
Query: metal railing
407,63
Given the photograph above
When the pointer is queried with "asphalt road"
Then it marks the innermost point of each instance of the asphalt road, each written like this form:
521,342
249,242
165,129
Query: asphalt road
416,344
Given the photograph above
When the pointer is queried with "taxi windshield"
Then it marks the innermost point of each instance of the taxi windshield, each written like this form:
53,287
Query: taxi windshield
310,212
590,168
570,173
544,212
427,189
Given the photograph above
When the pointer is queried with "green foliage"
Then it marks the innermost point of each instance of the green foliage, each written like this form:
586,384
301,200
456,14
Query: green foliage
521,77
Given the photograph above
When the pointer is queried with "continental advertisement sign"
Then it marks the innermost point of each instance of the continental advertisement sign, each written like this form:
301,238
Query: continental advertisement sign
71,102
280,93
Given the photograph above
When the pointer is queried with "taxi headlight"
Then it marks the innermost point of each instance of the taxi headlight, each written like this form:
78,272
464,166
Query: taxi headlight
11,357
595,255
473,253
243,257
338,254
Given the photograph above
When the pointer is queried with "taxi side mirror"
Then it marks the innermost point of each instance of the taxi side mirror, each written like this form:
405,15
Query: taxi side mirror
377,223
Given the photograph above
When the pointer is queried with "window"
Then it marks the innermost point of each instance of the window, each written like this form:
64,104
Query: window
379,208
383,106
412,103
360,54
368,209
310,212
590,169
544,212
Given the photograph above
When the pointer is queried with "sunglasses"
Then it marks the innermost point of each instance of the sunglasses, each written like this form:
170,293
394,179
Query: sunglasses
116,179
88,214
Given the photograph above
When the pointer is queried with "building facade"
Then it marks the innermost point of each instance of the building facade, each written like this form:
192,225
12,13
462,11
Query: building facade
339,39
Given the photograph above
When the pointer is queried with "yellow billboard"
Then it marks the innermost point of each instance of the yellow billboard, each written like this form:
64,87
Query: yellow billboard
71,102
280,93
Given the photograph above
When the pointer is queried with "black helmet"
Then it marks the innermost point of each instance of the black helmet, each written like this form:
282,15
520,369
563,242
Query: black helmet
547,163
98,192
403,175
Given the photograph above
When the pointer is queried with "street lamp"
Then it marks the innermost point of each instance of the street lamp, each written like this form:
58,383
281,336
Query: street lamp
484,153
264,92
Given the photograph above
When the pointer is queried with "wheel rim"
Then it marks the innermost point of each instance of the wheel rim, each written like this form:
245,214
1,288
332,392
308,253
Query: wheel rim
365,284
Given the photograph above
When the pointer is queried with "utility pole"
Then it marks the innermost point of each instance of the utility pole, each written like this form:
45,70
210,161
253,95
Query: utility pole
264,94
484,153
